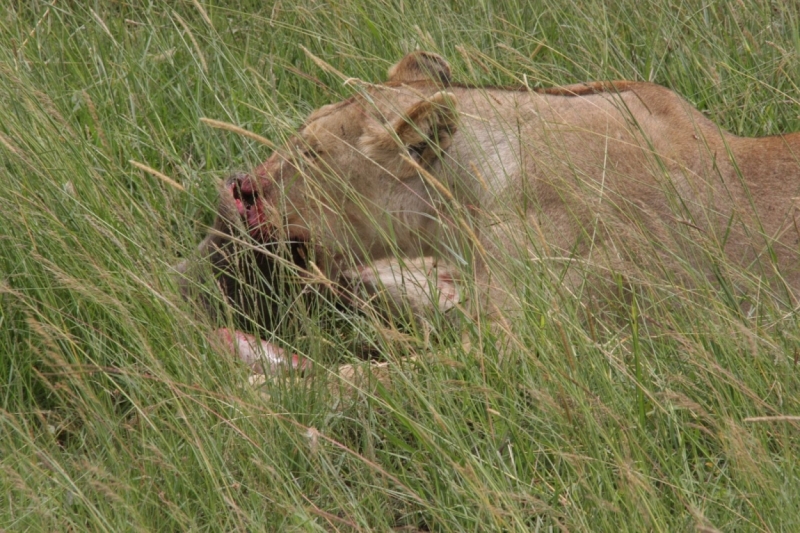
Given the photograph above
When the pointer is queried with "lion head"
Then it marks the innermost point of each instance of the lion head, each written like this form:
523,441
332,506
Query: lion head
348,183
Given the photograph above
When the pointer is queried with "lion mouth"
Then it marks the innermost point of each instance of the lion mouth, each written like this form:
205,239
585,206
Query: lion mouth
258,217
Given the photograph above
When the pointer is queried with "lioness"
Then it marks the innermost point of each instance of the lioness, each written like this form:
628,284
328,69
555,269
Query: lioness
589,177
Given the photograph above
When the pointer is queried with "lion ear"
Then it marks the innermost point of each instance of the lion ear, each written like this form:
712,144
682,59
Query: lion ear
433,120
420,66
422,132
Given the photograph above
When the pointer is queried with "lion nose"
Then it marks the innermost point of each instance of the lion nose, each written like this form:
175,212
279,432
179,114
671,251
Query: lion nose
248,189
253,201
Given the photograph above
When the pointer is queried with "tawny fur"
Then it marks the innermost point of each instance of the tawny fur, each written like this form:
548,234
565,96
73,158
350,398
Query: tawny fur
604,176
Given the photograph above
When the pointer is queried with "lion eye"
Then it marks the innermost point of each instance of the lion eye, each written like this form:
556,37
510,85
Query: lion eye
309,153
416,151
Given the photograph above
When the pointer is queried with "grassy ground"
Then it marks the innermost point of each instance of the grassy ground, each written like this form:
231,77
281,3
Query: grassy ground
117,414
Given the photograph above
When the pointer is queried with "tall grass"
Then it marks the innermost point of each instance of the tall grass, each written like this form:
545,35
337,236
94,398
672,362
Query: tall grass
677,413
